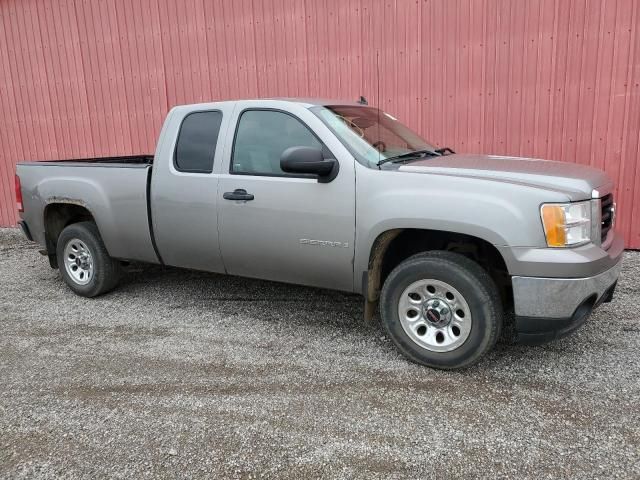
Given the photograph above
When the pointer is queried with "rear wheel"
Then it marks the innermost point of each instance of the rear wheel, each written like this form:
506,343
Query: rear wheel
83,260
441,309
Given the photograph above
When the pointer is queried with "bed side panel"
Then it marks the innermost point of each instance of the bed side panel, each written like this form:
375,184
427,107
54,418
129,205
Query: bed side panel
116,196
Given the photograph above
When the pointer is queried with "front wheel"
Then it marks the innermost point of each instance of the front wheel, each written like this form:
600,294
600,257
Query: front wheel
441,309
84,263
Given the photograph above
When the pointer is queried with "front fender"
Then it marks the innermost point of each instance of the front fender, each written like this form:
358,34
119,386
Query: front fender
500,213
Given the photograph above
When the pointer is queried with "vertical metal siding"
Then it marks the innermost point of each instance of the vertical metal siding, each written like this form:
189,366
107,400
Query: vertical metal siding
554,79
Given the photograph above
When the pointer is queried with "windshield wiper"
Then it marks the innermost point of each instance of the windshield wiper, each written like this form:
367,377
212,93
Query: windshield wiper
409,155
444,150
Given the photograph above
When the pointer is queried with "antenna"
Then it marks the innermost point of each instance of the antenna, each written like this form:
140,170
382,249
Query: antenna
379,101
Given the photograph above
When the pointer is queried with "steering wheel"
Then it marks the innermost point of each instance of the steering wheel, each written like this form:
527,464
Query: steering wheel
381,144
359,131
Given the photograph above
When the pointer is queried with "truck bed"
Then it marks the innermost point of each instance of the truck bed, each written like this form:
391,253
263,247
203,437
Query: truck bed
114,190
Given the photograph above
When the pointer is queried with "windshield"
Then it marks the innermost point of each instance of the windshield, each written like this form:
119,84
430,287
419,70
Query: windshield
370,134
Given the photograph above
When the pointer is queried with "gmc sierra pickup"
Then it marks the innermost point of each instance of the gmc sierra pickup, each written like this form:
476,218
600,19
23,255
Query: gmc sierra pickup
341,195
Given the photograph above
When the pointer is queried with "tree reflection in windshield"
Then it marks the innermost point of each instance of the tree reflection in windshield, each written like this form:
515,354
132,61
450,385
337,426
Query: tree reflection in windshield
369,133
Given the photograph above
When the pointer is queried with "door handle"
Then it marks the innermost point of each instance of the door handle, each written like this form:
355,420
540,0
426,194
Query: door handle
238,194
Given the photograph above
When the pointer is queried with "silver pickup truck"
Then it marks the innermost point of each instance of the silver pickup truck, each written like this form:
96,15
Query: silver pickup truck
343,196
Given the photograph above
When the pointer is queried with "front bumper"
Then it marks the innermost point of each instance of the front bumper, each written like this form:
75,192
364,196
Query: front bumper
549,308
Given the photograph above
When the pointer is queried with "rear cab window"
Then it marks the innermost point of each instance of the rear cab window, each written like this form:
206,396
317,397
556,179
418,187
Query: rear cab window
197,139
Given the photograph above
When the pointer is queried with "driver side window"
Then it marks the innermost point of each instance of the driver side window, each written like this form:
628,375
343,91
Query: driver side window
262,136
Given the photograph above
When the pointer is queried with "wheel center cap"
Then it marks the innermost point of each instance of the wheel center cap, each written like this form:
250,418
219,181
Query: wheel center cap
82,261
437,312
433,315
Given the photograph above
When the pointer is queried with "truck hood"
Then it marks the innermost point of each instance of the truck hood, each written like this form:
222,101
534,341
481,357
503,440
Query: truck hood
576,181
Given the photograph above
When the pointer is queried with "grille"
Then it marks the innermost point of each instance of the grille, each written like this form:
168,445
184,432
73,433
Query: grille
607,216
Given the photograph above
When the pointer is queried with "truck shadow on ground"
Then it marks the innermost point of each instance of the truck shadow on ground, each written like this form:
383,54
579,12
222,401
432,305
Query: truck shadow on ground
275,302
226,294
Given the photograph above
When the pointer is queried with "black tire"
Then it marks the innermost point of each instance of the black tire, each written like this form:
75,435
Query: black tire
106,270
471,281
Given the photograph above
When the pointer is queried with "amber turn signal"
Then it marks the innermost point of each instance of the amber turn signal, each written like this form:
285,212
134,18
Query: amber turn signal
553,220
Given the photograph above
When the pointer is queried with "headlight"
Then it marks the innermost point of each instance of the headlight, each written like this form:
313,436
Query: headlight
566,224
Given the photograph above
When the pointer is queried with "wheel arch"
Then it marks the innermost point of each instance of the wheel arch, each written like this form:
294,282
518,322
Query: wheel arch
393,246
58,215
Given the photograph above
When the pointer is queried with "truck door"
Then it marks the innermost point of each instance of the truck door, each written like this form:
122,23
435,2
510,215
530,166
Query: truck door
289,228
184,188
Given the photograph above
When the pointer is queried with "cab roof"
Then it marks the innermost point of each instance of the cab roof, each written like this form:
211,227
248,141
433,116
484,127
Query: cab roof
301,101
312,102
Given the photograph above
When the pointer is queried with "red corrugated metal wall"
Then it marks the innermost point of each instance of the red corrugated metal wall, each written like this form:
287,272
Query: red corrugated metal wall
546,78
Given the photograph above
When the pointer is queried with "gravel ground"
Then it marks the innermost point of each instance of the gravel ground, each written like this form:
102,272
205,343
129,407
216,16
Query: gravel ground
187,374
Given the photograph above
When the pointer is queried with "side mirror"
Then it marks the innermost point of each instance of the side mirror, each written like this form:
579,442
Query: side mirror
309,160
